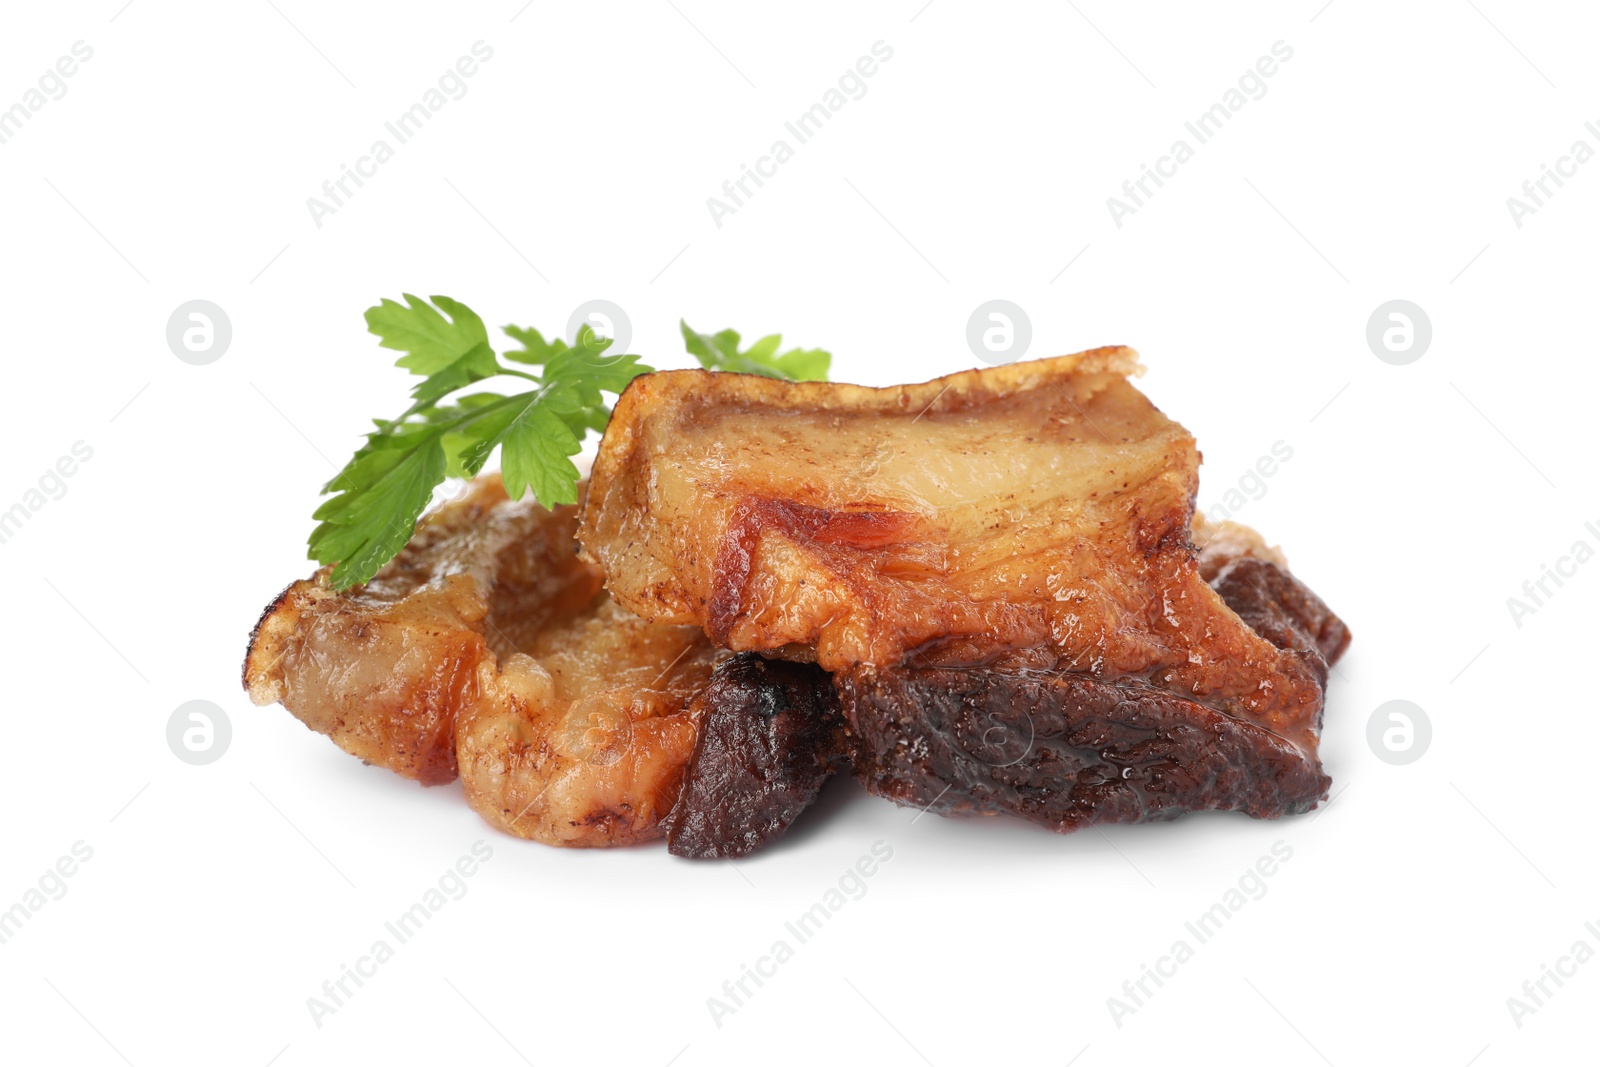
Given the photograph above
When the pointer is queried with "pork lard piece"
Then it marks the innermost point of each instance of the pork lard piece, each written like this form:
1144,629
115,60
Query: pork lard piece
1041,507
383,668
487,643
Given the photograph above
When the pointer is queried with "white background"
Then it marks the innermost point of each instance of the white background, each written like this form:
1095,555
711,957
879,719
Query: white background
978,164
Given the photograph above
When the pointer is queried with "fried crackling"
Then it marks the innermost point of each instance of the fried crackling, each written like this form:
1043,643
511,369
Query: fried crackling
1041,507
383,668
487,642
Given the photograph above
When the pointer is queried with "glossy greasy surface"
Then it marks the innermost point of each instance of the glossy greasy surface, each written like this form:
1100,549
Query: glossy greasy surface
383,668
1065,749
1038,511
487,642
584,741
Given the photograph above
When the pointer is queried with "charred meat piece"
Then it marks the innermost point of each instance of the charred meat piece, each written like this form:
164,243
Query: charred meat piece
488,644
1064,749
770,738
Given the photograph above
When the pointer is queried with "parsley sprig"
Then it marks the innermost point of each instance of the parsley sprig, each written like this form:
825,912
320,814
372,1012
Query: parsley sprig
382,491
445,433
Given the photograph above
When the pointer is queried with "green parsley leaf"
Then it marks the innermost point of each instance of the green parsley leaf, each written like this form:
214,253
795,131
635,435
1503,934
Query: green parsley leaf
535,350
379,496
431,342
534,442
450,353
720,351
